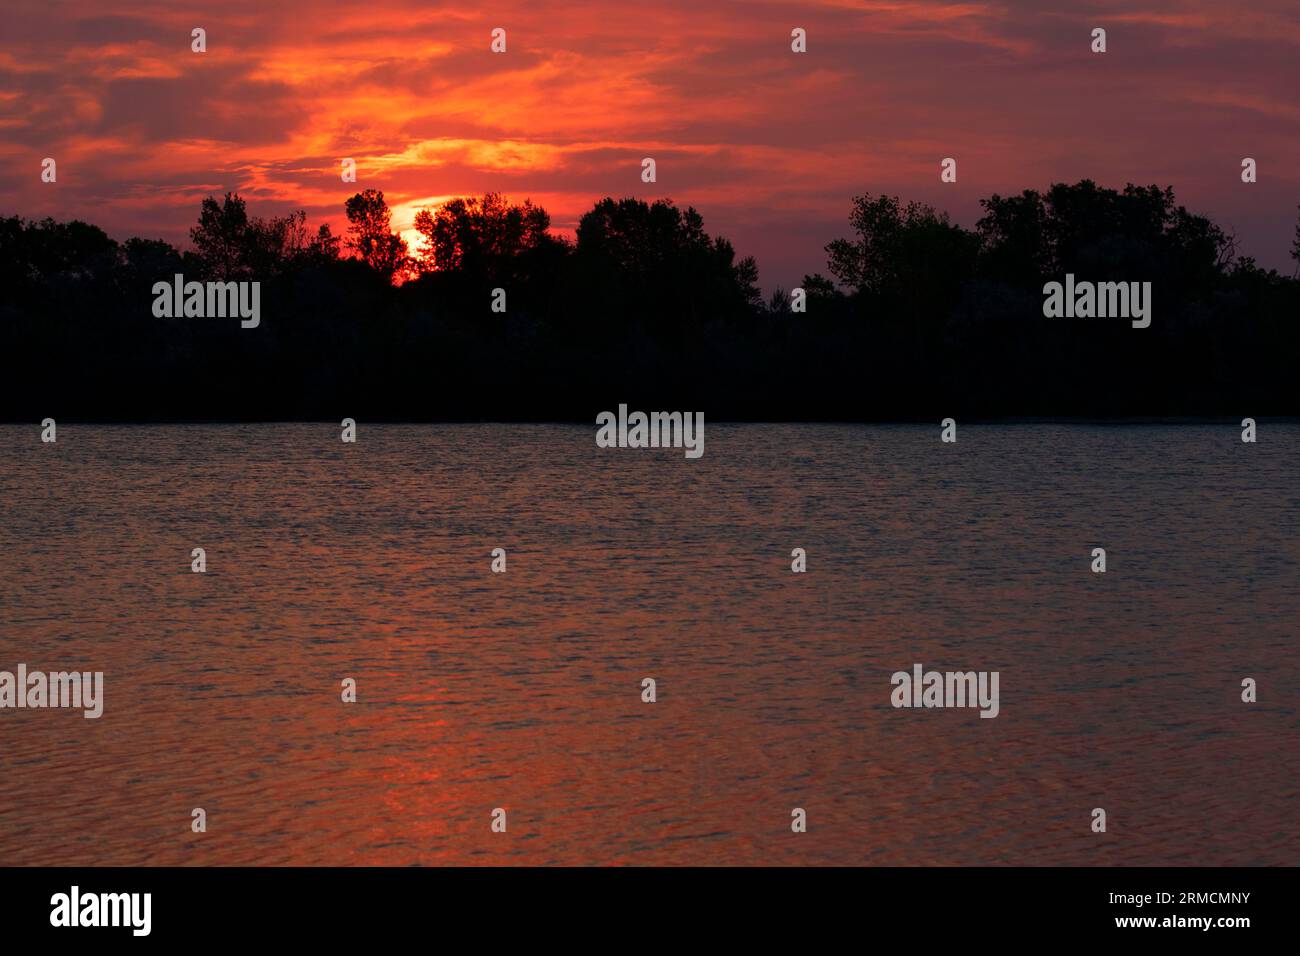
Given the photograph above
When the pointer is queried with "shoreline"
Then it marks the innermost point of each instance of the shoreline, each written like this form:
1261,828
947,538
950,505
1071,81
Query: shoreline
1016,420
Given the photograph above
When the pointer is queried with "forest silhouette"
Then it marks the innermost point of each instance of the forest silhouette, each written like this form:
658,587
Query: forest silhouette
918,319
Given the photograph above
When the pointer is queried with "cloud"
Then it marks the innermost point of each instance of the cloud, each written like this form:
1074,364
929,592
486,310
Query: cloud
769,145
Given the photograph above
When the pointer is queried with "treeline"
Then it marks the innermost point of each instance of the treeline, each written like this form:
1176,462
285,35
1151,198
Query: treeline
495,317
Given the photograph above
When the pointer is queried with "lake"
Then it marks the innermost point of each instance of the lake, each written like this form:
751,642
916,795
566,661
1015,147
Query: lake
523,690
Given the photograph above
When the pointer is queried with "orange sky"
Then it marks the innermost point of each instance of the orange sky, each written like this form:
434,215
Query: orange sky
769,145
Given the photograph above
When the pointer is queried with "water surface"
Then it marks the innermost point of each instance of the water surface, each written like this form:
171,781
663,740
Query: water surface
523,690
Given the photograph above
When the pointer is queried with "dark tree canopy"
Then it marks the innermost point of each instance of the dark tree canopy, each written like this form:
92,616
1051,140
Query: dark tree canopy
919,317
370,234
1295,247
1086,227
655,260
228,244
481,235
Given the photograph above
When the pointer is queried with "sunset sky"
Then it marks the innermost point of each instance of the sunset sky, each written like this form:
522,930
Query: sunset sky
769,145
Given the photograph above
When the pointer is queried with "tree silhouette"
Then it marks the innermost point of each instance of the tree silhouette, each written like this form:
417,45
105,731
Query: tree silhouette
1295,247
222,237
229,244
481,235
370,234
1084,226
324,246
897,248
655,260
922,318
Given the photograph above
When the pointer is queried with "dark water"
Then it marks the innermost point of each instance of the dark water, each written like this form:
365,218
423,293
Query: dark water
523,690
